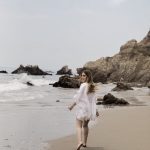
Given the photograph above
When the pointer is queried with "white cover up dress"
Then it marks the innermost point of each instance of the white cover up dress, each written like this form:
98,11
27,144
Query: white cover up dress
85,103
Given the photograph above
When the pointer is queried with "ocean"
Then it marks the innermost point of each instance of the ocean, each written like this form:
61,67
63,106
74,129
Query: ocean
30,116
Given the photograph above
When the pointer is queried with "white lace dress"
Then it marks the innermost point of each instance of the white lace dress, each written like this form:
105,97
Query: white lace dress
85,103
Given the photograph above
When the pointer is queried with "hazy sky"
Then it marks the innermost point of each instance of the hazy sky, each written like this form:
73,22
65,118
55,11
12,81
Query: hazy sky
53,33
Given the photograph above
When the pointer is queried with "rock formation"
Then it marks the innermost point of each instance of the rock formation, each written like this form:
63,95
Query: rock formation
29,83
109,99
64,70
31,70
122,87
3,71
67,82
131,64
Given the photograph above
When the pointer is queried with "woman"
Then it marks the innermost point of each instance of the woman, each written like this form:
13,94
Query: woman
85,100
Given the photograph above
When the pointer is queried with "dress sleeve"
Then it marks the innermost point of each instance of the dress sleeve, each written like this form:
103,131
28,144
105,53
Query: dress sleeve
79,93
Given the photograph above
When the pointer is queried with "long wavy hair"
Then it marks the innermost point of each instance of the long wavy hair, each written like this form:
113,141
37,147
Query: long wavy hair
90,82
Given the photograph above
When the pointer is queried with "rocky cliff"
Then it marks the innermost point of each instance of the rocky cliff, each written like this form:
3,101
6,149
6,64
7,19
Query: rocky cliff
131,64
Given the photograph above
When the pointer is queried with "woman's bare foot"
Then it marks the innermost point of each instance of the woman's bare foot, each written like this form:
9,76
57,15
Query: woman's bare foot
84,145
79,146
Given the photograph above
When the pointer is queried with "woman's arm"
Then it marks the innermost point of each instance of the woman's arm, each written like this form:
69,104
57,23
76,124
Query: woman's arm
80,93
72,106
77,96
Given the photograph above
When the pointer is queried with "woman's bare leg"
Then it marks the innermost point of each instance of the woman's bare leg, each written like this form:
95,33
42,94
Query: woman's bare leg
85,131
79,130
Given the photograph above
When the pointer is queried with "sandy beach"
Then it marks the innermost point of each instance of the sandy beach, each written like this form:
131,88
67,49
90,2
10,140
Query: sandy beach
125,128
31,119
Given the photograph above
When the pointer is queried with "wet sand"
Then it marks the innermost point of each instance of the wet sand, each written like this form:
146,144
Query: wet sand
125,128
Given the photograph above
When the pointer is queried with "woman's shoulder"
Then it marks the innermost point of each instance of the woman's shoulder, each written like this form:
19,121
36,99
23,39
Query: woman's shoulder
84,84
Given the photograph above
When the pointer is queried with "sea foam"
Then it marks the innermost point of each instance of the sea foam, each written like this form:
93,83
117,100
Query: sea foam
20,83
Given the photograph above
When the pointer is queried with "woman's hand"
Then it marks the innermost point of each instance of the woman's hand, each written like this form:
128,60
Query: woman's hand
70,108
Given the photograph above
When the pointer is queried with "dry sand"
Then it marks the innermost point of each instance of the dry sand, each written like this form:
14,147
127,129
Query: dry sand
125,128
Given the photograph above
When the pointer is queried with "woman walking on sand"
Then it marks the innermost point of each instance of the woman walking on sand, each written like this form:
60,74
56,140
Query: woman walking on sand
85,101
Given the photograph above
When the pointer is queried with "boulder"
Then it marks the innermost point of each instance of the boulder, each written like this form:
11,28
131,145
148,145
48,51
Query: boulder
100,77
30,70
29,83
64,70
109,99
51,83
122,87
3,71
67,82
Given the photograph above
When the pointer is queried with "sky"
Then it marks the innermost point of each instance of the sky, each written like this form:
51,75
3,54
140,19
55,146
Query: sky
54,33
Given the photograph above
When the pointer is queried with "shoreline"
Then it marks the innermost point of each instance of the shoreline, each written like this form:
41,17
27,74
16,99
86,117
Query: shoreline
125,128
30,124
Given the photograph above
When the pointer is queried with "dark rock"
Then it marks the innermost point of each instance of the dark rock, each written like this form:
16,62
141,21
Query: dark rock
99,101
57,100
29,83
64,70
51,83
109,99
67,82
122,87
3,71
49,72
100,77
30,70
